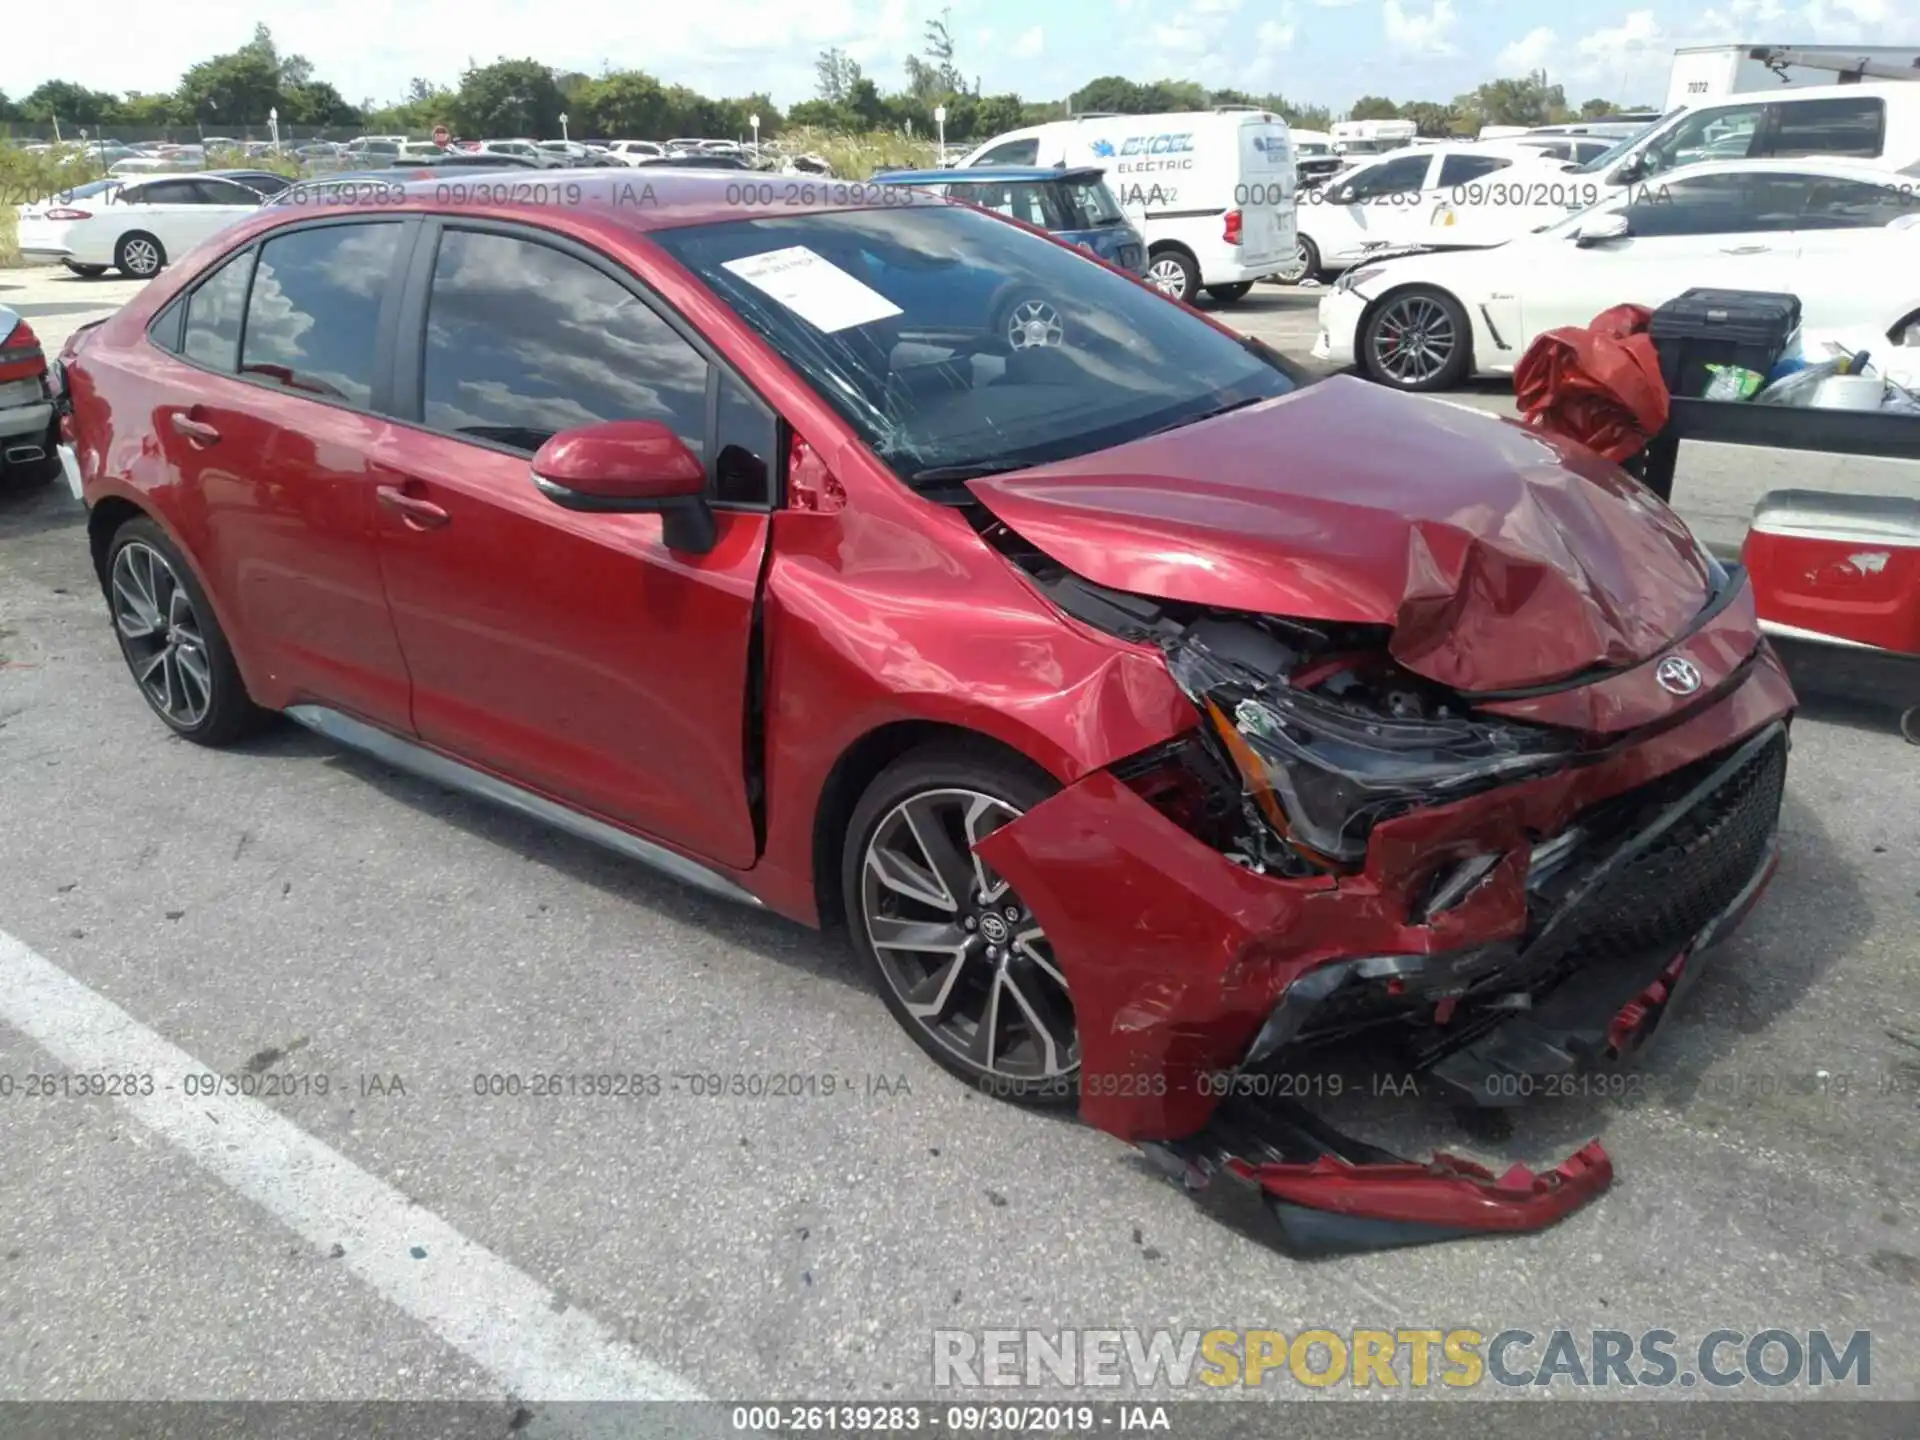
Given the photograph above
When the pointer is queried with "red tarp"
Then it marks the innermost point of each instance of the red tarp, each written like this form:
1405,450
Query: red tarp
1599,384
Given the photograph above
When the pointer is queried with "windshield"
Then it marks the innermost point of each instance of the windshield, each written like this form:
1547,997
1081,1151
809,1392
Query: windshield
952,342
1614,152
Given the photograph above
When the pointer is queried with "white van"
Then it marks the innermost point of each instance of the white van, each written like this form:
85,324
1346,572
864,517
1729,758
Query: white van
1874,124
1211,192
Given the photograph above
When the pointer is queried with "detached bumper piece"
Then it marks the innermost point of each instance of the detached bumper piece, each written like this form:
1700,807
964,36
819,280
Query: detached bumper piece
1279,1177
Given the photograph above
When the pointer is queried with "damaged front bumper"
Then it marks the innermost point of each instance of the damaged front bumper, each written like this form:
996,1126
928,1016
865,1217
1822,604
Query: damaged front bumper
1591,895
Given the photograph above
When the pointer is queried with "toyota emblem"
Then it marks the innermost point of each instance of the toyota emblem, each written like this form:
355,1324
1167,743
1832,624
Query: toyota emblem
1678,675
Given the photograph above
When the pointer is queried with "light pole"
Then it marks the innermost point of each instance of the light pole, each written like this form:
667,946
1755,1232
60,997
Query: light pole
563,126
273,127
940,128
754,121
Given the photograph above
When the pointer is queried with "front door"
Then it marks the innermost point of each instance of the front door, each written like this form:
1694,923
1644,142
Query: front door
573,653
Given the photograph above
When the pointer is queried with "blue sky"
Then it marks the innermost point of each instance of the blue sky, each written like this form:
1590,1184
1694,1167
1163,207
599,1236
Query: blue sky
1323,51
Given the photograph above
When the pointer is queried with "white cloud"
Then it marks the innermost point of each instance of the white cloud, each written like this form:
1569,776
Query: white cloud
1274,35
1529,53
1030,44
1420,33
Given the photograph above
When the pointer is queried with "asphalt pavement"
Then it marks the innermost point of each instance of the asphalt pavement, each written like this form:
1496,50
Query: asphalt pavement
289,912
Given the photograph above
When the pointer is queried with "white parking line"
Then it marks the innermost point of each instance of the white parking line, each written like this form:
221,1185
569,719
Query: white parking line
496,1315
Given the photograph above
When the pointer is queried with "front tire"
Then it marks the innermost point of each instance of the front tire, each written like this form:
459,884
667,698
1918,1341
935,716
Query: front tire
139,256
1416,340
1229,294
1173,273
959,959
173,645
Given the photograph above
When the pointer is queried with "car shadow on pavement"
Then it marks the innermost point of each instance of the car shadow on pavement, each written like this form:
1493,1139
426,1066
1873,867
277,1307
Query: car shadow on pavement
763,933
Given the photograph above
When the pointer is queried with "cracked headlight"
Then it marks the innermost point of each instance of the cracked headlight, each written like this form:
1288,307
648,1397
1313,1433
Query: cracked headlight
1323,770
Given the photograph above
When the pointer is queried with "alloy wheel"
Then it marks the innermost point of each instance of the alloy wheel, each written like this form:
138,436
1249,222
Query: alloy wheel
967,959
161,635
1168,276
142,257
1295,270
1034,325
1413,339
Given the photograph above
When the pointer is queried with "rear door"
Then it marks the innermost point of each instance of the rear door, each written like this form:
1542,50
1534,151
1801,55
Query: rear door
573,653
1857,251
168,210
1265,192
272,449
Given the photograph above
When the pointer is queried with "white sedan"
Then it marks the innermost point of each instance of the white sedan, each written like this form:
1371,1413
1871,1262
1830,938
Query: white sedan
1842,236
1459,194
134,227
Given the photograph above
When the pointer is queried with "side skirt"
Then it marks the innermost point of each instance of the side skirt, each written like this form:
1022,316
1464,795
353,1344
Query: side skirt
457,775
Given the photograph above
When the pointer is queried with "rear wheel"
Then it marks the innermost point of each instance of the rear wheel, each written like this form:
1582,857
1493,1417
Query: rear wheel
1173,272
86,272
956,954
174,647
1304,265
139,256
1417,339
1228,294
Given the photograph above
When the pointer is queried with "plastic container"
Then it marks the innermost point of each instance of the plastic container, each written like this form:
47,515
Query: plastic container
1850,392
1746,328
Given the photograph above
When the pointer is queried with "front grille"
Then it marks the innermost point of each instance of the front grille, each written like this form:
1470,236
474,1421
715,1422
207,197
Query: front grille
1668,891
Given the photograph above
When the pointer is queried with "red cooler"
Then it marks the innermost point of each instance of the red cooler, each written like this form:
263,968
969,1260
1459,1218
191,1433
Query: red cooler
1838,569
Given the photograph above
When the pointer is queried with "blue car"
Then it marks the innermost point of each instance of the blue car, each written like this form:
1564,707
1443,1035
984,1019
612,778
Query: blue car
1073,203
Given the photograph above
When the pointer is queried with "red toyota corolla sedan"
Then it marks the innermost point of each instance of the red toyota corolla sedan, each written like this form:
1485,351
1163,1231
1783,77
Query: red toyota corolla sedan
1145,714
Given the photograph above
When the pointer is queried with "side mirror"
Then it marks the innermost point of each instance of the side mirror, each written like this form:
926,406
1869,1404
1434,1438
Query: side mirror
630,467
1601,228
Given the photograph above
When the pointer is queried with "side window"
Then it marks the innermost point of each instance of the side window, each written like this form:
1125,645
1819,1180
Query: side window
1459,169
1723,134
1014,152
1717,205
313,318
524,341
1827,127
224,192
214,311
1390,177
167,192
1854,204
746,444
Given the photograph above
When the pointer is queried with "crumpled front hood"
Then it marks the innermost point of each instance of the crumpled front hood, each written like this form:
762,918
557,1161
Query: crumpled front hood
1500,557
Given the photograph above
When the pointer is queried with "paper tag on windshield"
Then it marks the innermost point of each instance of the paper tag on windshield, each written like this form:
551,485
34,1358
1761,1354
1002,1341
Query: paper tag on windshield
814,288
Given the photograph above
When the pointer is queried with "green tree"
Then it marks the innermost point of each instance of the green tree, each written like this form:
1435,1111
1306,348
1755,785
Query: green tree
1531,101
834,75
316,103
1373,107
1434,120
1114,93
509,98
626,105
8,110
68,103
1593,109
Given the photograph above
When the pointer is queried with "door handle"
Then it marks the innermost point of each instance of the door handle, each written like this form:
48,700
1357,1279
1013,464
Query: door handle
1745,249
417,513
198,431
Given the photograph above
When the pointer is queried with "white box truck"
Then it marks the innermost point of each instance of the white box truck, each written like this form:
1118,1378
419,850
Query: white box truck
1702,72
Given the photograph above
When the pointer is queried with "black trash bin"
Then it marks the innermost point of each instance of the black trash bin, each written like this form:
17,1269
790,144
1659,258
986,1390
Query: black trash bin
1748,328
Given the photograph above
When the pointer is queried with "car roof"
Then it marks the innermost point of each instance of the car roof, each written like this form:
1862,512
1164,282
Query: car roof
654,198
975,174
